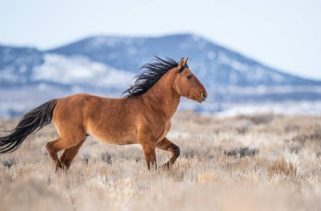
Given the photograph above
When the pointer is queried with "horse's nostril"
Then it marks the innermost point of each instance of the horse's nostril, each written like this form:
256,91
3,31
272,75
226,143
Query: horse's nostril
204,95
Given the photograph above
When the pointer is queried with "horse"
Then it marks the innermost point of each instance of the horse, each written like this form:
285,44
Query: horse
141,116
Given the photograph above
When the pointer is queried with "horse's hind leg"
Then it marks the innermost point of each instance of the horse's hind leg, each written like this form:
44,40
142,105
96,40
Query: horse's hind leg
62,143
167,145
69,154
53,148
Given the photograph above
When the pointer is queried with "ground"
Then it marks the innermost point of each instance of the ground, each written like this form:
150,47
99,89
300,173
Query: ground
259,162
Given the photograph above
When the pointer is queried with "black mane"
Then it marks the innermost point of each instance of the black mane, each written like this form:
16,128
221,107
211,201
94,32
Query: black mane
152,72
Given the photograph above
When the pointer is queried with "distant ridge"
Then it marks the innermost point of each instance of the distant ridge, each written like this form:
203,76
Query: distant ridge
106,64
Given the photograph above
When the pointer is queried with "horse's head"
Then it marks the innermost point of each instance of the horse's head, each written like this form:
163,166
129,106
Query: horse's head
187,84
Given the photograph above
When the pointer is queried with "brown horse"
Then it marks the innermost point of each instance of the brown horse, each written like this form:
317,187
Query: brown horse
142,117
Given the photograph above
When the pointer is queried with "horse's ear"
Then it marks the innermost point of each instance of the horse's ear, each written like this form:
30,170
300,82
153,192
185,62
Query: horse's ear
181,63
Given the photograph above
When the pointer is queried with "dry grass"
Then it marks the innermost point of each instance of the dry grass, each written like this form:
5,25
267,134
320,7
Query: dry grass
261,162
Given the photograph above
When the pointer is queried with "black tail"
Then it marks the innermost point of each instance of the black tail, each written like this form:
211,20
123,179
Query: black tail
30,123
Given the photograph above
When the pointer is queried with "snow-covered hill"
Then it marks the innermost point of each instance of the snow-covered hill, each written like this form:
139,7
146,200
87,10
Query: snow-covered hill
107,64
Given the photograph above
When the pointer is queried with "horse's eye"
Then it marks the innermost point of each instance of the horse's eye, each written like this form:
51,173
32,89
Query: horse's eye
189,77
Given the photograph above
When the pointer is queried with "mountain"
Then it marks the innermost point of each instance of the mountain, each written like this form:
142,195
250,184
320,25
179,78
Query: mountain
17,65
107,64
210,61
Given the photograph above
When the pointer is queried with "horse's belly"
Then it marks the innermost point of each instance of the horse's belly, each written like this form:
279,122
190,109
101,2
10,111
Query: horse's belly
115,140
113,137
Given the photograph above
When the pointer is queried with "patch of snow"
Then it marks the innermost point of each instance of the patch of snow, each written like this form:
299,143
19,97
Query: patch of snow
239,66
259,90
286,108
98,42
78,70
8,74
211,55
113,41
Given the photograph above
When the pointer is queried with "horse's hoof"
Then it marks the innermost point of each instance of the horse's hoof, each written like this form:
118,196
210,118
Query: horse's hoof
165,166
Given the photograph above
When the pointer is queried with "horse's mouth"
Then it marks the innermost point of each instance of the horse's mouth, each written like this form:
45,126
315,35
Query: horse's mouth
201,99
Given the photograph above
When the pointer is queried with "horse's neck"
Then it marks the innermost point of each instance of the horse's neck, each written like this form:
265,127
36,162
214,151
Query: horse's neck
162,97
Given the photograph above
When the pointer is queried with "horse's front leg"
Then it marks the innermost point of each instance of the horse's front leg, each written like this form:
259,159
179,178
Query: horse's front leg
150,155
167,145
145,138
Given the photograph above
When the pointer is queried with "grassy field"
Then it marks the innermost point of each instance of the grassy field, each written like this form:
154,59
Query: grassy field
261,162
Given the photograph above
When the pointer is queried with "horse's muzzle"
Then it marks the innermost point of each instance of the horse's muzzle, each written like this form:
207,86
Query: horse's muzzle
203,97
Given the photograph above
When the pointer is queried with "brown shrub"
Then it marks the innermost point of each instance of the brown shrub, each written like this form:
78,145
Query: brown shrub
281,167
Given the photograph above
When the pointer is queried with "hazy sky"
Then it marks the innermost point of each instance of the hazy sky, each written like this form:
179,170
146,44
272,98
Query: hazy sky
282,33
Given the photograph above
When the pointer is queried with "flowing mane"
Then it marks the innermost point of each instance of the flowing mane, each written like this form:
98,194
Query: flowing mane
152,72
